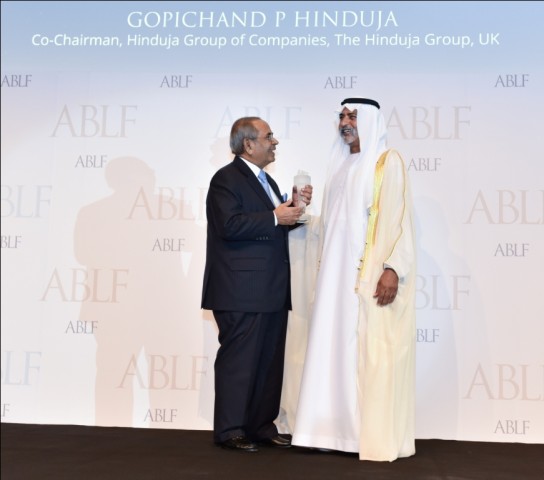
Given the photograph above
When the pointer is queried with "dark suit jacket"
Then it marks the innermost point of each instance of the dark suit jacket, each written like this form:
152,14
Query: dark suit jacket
247,257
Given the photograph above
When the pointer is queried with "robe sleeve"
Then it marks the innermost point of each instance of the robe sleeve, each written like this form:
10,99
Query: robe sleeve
396,191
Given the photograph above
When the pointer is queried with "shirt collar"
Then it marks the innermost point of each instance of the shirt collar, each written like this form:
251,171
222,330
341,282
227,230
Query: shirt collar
254,168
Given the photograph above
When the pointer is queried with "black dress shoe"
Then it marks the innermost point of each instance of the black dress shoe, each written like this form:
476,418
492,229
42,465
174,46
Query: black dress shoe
278,441
240,443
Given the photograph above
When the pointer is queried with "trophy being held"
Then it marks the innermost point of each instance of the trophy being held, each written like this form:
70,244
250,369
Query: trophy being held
301,180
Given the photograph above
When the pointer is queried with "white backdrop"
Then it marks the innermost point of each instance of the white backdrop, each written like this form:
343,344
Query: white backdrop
108,146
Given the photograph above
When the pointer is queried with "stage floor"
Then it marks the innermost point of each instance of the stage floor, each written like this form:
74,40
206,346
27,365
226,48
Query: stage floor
68,452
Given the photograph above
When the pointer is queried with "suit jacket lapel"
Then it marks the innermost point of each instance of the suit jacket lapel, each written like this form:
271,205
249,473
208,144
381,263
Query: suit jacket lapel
254,181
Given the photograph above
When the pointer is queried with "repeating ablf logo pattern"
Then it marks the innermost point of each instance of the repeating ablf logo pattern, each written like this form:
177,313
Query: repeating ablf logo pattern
103,194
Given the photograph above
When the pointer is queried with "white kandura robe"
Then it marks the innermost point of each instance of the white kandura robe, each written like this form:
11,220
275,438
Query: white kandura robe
358,383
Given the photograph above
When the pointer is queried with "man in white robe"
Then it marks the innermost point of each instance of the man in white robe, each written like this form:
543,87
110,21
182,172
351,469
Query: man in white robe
358,381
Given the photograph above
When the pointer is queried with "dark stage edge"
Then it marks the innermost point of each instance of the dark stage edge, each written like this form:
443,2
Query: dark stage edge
70,452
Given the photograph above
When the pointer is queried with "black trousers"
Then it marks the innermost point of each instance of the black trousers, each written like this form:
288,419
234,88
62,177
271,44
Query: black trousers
248,373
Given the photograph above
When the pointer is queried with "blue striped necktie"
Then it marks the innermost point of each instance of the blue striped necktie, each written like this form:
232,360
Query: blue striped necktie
266,186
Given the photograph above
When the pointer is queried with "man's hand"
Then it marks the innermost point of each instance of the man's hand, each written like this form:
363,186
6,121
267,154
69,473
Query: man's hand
387,287
287,215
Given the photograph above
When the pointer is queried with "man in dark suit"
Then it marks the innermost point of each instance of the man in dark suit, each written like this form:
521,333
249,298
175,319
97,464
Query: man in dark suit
247,285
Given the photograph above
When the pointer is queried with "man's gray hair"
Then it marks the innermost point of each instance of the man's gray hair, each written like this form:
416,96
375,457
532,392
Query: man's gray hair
241,129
